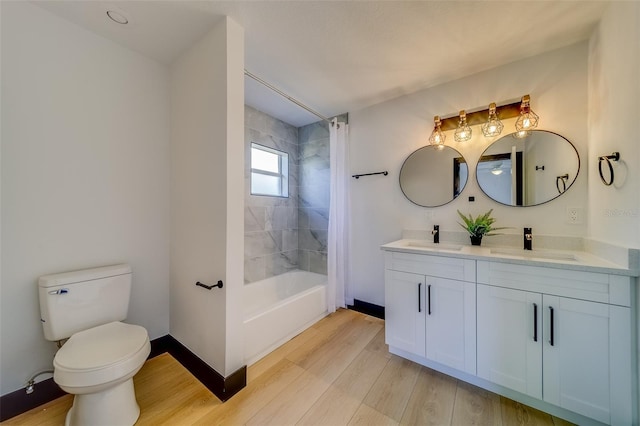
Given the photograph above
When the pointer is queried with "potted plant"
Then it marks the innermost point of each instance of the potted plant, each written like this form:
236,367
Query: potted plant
478,227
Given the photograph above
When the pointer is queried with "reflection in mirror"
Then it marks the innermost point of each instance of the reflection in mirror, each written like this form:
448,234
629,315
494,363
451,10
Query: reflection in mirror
433,175
528,171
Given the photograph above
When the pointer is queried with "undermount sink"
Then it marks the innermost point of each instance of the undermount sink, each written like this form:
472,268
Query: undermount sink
433,246
535,254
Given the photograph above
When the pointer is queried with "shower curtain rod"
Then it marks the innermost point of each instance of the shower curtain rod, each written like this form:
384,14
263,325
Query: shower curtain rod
281,93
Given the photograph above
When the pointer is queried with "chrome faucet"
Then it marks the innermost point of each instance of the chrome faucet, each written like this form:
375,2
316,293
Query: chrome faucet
436,234
528,239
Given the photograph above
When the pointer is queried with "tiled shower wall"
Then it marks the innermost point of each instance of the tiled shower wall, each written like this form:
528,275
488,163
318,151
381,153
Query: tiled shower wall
282,234
313,208
270,223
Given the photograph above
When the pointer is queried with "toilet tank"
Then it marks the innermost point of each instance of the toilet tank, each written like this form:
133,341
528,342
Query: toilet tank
79,300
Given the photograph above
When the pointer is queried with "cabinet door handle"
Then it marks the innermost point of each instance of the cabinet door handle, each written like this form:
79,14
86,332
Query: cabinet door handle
429,299
419,297
535,322
551,325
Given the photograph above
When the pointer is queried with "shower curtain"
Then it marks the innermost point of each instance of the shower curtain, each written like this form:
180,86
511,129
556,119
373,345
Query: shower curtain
338,235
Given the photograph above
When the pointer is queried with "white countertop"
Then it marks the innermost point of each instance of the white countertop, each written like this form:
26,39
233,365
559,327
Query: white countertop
565,259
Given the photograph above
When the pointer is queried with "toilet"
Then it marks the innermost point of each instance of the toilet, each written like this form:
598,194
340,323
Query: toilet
102,354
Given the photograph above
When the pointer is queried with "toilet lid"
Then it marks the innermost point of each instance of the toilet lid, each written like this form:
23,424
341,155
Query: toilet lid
101,346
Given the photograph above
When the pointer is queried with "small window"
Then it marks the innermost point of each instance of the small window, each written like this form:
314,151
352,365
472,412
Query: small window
269,171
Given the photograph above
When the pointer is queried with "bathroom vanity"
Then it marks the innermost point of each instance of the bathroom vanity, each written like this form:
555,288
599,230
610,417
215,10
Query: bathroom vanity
554,330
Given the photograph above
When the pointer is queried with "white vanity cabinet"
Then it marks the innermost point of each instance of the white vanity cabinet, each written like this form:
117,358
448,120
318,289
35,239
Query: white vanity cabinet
404,311
509,338
557,335
430,308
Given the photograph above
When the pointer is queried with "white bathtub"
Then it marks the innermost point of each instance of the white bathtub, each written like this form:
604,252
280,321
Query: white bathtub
279,308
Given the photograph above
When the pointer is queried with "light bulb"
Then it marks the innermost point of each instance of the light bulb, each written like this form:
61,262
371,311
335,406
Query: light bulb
528,119
493,126
437,137
463,132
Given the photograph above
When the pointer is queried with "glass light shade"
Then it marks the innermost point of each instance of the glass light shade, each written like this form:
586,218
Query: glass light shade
521,134
463,132
437,136
493,126
528,120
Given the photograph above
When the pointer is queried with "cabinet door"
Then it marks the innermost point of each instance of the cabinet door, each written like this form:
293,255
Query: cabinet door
580,358
450,324
405,311
509,338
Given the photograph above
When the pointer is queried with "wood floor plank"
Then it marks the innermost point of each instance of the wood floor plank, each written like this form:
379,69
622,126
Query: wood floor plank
367,416
51,413
358,378
259,367
292,403
475,406
557,421
332,359
170,381
514,413
378,345
250,400
391,392
334,321
328,340
432,399
333,408
369,387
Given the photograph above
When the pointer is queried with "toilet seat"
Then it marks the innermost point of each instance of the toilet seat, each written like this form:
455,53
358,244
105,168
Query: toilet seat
101,354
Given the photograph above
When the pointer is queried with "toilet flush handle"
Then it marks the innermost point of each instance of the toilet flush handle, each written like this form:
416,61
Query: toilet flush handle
60,291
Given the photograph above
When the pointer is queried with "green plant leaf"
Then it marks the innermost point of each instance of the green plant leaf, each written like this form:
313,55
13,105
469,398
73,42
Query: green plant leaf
481,225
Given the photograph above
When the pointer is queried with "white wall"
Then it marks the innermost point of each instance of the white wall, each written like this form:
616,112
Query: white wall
614,108
383,135
85,174
235,199
207,204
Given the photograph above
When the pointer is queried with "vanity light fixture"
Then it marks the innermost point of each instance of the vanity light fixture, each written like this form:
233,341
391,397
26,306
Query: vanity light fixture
463,132
528,120
493,125
437,137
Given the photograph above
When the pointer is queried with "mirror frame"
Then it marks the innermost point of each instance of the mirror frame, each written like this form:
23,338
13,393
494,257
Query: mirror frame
519,174
457,162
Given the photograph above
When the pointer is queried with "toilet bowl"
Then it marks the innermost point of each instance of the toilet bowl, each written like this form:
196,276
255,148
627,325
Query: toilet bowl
97,365
102,354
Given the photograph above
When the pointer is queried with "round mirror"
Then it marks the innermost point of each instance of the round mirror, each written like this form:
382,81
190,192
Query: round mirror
433,176
528,171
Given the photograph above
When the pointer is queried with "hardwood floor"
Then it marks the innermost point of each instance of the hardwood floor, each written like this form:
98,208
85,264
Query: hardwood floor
338,372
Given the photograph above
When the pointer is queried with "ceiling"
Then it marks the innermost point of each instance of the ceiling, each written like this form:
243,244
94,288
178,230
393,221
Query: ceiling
342,56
